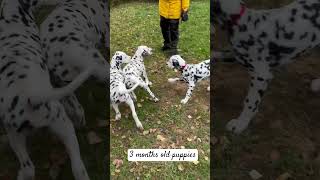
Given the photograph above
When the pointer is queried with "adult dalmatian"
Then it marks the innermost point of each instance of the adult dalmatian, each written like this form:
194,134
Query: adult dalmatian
28,101
70,35
263,40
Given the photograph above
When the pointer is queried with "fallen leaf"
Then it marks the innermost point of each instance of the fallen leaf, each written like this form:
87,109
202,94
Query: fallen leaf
189,116
180,167
284,176
189,139
117,162
139,105
195,162
254,174
161,138
145,132
206,158
117,170
158,122
93,138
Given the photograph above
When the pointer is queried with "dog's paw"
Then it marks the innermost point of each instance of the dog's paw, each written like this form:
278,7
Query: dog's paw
208,88
315,85
118,117
236,126
171,80
184,101
155,99
139,126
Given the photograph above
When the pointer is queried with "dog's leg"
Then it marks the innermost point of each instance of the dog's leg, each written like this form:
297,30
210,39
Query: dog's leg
63,128
18,144
259,83
116,109
133,96
189,93
134,114
74,110
145,86
146,78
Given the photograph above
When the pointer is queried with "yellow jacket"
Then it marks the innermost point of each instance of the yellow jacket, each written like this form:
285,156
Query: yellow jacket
171,9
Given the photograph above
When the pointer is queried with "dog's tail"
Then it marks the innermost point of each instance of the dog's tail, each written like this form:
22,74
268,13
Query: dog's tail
124,91
57,93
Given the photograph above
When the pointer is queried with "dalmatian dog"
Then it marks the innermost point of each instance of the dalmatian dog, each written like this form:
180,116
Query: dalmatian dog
70,35
118,91
190,73
28,100
263,40
135,72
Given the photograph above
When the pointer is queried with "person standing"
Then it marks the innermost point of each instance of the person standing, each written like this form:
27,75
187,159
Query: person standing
171,11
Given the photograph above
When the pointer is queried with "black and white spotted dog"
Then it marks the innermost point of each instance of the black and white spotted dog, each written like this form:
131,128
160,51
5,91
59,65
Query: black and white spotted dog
28,100
135,72
118,91
70,36
190,73
265,39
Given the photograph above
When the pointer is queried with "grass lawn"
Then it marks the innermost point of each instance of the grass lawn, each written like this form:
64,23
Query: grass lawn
134,24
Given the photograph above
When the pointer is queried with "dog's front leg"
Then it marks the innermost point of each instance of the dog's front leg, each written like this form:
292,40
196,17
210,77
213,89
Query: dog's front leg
146,78
63,128
189,93
258,85
18,144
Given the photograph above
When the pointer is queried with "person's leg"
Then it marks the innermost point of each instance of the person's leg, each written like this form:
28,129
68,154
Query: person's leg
174,33
165,25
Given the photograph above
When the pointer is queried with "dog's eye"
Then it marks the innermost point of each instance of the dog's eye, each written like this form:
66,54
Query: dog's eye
119,58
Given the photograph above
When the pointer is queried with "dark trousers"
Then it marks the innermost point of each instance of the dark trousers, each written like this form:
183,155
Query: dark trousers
170,32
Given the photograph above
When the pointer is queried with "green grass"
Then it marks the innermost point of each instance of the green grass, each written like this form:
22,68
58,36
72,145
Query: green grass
134,24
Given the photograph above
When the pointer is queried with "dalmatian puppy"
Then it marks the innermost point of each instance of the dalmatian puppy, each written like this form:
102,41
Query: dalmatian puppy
190,73
263,40
70,35
118,91
135,71
28,101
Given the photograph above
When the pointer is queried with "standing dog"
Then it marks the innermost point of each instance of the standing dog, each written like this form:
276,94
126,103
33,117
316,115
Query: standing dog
28,100
265,39
190,73
70,36
118,91
135,70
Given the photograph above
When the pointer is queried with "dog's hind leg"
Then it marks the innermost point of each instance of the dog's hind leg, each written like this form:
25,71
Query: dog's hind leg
18,144
62,127
116,109
134,114
258,85
133,96
74,110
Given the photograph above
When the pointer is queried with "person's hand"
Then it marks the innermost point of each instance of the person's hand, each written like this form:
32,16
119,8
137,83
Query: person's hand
184,16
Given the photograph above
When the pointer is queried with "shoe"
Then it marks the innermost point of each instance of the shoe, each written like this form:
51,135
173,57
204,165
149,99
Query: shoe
165,47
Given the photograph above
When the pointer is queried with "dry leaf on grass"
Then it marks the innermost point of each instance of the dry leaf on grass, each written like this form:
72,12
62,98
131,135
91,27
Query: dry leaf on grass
93,138
161,138
180,167
284,176
254,174
145,132
189,116
195,162
139,105
118,162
